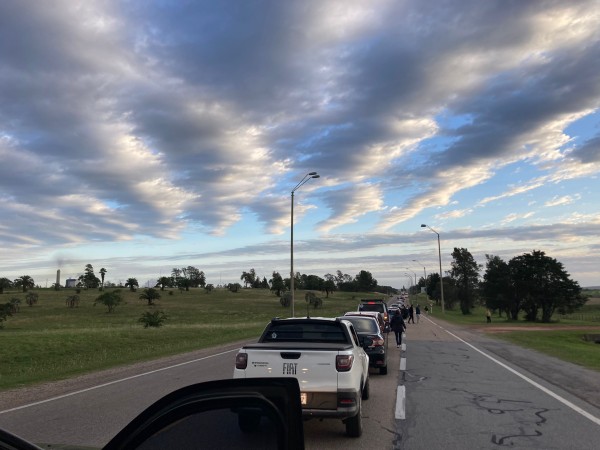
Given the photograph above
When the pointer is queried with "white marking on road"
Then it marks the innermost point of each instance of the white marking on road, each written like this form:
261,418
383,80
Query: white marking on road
400,403
402,363
563,400
115,382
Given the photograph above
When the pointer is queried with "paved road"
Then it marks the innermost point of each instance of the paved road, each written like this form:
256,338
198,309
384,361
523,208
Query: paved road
451,395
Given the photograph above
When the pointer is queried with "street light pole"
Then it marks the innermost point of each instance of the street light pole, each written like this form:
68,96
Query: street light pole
303,181
440,258
410,270
424,273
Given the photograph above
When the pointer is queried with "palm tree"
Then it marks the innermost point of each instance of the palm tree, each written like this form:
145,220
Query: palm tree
102,273
132,283
150,294
24,281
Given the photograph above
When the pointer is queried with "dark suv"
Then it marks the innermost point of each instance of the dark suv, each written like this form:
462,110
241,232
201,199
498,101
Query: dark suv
378,305
367,327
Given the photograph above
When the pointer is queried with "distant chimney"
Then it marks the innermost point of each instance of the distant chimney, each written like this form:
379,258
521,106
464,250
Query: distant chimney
57,278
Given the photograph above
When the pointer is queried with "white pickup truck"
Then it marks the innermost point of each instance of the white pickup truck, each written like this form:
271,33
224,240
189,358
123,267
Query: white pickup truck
324,355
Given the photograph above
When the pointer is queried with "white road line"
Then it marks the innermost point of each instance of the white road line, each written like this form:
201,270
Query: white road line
402,364
400,403
564,401
115,382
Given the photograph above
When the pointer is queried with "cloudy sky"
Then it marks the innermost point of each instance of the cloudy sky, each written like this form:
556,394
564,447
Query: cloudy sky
142,135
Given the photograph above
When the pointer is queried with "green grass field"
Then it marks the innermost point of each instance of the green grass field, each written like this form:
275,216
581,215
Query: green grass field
563,337
50,341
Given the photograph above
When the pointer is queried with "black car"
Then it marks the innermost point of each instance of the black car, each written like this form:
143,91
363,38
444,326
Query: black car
366,326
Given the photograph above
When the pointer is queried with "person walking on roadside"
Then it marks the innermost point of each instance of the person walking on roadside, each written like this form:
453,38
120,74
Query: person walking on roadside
488,315
411,314
418,312
398,327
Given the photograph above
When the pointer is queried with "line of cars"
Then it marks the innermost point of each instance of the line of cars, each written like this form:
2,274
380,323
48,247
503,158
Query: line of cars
330,358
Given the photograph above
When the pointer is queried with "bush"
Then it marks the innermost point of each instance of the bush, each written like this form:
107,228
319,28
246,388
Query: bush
31,298
14,305
153,319
5,312
110,299
234,287
72,301
286,299
313,300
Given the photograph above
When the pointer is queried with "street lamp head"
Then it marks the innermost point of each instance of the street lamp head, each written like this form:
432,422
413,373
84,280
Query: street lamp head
316,176
423,225
312,173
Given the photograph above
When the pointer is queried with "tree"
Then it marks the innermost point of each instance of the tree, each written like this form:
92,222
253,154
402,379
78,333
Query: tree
25,282
364,281
465,271
496,287
344,282
196,277
265,284
277,284
164,282
150,294
110,299
132,283
249,278
88,280
5,283
329,284
540,282
102,274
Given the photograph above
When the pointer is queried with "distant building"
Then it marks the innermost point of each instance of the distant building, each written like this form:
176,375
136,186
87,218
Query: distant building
70,282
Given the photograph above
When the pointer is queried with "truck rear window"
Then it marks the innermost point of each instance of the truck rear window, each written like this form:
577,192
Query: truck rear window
310,332
371,307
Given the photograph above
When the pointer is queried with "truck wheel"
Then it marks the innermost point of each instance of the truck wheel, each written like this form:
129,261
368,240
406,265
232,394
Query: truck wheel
383,370
354,424
366,390
248,423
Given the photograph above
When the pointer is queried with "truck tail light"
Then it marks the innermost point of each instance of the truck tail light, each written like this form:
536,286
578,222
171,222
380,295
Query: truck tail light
241,361
343,363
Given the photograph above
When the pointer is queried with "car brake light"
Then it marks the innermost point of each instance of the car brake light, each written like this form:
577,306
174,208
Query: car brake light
241,361
343,363
377,342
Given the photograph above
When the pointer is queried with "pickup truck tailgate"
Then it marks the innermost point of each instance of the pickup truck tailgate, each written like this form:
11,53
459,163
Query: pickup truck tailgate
314,369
